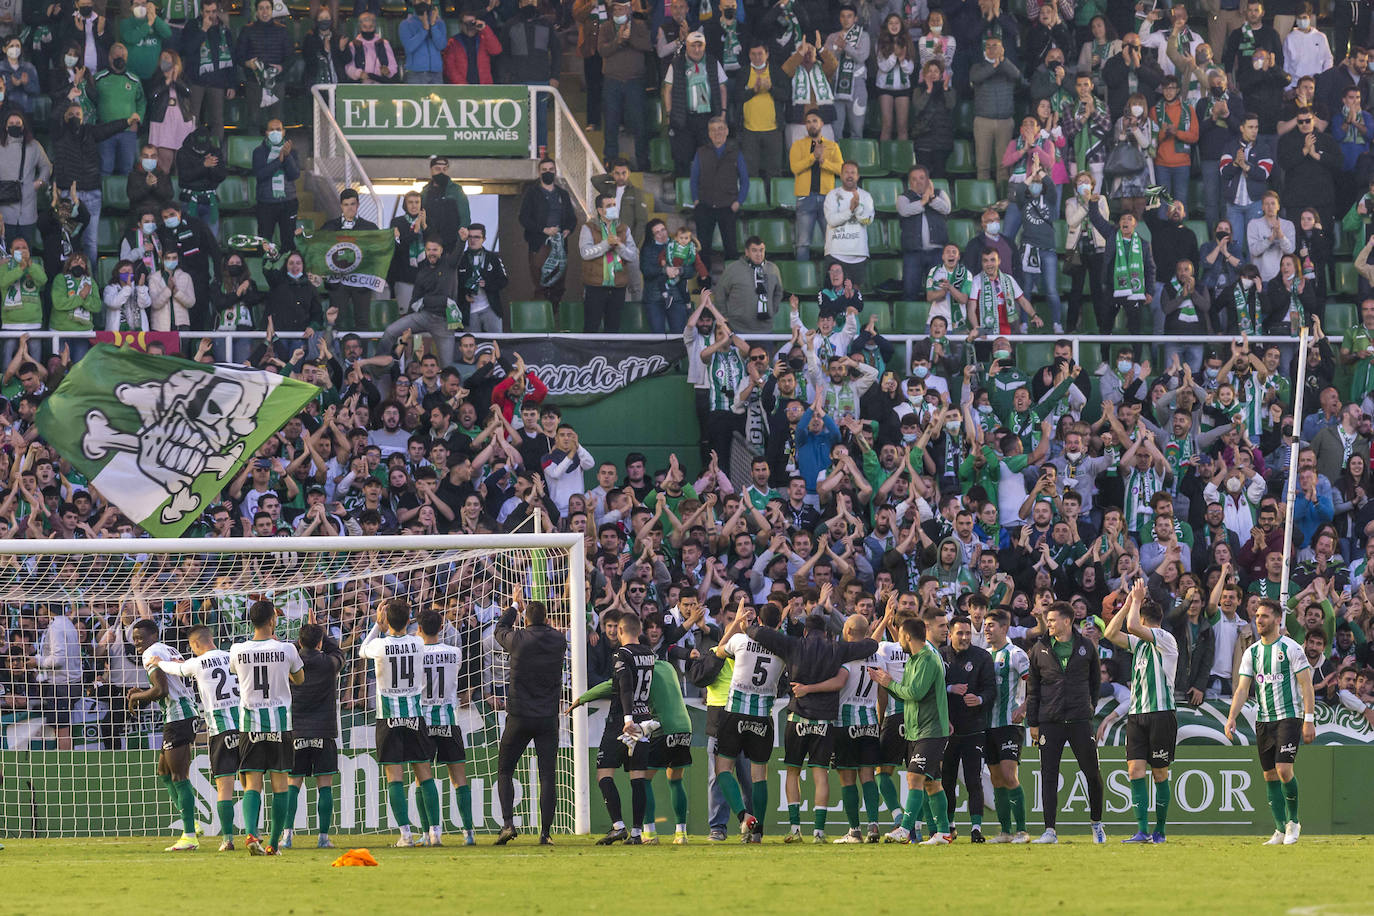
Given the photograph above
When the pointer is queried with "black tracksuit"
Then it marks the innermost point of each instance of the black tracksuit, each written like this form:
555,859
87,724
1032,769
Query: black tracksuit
972,667
315,702
536,682
1060,700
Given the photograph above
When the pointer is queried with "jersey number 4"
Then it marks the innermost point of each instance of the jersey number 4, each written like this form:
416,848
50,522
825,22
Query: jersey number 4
260,684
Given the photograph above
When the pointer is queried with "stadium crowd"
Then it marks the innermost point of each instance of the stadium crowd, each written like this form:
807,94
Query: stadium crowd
967,478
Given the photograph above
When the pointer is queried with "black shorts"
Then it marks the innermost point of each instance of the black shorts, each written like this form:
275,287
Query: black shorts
808,740
316,757
224,753
403,740
612,753
1004,743
892,742
1278,742
674,750
751,735
178,734
926,756
57,701
855,746
266,752
1152,737
448,743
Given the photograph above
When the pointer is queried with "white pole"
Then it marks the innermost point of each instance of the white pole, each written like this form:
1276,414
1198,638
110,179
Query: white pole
1299,384
577,620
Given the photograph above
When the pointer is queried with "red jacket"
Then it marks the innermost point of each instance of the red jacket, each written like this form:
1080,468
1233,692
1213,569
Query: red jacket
456,58
535,392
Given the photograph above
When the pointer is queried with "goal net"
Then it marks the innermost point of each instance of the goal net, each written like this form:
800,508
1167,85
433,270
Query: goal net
78,761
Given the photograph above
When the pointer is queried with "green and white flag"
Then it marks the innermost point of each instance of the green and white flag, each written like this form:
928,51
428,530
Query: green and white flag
351,258
159,436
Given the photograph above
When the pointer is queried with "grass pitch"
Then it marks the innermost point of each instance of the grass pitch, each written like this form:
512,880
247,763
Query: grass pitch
1191,874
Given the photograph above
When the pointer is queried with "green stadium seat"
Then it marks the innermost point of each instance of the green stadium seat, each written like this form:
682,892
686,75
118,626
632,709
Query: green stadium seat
570,315
240,151
897,156
885,192
237,193
633,320
105,267
531,316
1343,243
974,196
800,277
783,194
1340,315
877,239
238,224
961,231
776,233
756,200
960,160
114,193
941,184
654,115
809,308
1061,238
254,264
910,316
109,233
963,117
42,109
1347,284
1201,230
660,155
682,193
883,270
382,312
864,154
880,309
1031,356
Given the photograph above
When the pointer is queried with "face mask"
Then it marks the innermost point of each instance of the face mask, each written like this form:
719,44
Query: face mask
117,64
952,426
140,12
1233,484
1218,92
547,178
994,228
909,438
368,36
165,66
613,212
621,20
170,264
728,13
70,60
1259,63
148,164
1084,190
149,228
324,25
274,137
1247,283
936,30
985,409
1304,22
172,222
1035,188
125,276
87,12
759,67
921,371
1212,373
15,131
78,270
1137,111
294,274
1001,355
1073,456
12,53
1124,365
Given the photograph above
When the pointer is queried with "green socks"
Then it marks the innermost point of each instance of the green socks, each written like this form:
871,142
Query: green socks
887,787
650,811
1140,799
252,811
278,817
794,814
188,806
293,801
429,805
820,814
871,800
927,815
1017,798
324,807
849,796
1002,805
396,796
679,795
729,788
1290,791
465,805
939,810
1163,795
226,818
914,803
1278,805
759,800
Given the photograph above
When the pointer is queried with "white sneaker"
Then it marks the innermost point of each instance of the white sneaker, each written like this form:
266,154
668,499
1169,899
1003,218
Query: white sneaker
1291,835
188,843
1058,327
937,839
1000,838
1277,839
1049,836
1099,833
898,834
853,836
1021,836
406,841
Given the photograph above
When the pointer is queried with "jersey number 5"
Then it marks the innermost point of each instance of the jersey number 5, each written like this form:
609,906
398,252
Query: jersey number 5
760,670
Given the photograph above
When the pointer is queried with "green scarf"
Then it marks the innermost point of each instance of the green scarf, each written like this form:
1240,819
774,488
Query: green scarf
1187,311
416,250
1247,41
1295,301
215,53
730,44
988,293
844,77
611,261
810,81
279,176
1247,321
698,86
681,255
1083,141
791,28
1185,121
1128,267
474,276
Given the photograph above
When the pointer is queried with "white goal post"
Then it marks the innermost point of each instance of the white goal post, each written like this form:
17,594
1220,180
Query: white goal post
75,772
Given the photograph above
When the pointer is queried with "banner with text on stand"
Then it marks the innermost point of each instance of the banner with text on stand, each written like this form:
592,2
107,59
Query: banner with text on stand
423,121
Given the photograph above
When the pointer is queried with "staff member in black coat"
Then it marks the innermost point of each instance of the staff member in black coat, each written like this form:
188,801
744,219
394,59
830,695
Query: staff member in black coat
971,681
1060,698
532,693
314,717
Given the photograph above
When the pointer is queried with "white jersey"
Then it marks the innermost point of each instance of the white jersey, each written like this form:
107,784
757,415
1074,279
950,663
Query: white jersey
397,662
754,681
892,658
264,668
859,696
178,703
439,701
1011,669
216,685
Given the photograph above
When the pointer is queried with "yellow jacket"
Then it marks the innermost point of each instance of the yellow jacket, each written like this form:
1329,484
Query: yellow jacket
802,159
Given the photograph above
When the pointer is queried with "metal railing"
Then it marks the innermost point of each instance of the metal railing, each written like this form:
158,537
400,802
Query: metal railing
569,147
335,161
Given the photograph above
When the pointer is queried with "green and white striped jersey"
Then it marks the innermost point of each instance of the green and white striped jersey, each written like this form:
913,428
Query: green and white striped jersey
893,658
1152,672
859,697
754,681
1274,669
264,668
177,704
1011,668
397,663
439,701
217,686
